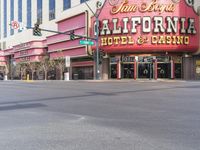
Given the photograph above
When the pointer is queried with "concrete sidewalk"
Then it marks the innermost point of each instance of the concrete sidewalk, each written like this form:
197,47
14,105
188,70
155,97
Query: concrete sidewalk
110,80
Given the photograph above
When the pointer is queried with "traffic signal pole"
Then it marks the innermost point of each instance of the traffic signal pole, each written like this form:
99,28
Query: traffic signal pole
97,71
97,49
65,33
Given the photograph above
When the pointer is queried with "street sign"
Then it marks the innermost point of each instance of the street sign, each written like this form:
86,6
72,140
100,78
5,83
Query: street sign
14,25
67,61
17,25
86,42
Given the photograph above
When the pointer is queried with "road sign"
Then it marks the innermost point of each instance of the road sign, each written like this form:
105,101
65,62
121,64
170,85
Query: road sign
17,25
86,42
67,61
14,25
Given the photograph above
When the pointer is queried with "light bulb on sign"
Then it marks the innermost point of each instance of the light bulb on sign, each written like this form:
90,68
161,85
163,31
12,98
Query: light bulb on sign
99,4
114,2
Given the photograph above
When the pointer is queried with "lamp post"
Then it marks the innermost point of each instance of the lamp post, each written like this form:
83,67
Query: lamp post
97,71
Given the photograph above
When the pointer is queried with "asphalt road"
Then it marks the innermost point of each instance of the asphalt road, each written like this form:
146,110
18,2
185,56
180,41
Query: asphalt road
114,115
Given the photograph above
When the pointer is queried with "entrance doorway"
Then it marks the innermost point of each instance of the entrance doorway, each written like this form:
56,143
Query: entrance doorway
82,73
113,71
128,71
164,70
145,70
178,70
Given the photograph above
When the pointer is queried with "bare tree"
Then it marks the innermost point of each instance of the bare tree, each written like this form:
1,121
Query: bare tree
21,69
46,64
6,68
18,70
33,67
60,64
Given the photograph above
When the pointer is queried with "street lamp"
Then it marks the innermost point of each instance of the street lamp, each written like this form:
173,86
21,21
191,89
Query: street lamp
98,4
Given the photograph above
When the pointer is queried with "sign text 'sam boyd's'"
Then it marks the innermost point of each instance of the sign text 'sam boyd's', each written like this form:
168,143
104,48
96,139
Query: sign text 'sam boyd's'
156,25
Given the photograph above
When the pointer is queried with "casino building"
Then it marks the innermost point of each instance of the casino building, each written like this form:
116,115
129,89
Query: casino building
149,39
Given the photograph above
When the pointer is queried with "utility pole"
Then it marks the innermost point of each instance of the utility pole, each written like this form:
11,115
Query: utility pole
97,71
97,49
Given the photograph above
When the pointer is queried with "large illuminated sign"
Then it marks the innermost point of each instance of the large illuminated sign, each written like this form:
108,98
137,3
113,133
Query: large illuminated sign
156,25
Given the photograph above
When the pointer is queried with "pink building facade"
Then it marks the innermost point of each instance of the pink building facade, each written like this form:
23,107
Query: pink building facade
149,39
29,52
57,46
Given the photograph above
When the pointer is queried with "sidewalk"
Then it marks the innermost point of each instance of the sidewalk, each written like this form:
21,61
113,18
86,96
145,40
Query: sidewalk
101,81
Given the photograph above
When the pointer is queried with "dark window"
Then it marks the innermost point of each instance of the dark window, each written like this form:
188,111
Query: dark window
39,11
11,15
29,17
5,18
19,12
51,9
66,4
82,1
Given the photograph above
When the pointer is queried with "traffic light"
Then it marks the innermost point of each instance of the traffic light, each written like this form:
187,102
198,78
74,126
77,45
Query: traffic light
100,57
101,54
72,36
37,30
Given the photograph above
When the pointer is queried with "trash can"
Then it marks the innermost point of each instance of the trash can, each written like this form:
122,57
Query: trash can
75,76
66,76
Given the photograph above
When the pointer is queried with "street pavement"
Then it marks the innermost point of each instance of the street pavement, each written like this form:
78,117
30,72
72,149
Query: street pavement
100,115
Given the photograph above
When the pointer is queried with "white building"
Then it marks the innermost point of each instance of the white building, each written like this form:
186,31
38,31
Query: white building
47,12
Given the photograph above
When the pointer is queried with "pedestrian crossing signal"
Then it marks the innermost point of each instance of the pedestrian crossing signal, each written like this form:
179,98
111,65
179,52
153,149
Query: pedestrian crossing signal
101,56
37,30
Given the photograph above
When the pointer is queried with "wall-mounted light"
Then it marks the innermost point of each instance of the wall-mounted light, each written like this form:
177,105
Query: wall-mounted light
186,55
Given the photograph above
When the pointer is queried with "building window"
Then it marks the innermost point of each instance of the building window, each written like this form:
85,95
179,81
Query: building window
11,15
82,1
19,12
5,18
66,4
51,9
39,11
29,17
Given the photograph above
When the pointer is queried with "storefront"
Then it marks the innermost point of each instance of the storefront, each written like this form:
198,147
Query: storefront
148,39
61,46
82,68
133,67
23,53
2,65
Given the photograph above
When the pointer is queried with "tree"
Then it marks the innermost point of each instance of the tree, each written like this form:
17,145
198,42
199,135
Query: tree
60,64
45,64
33,67
6,70
21,69
18,70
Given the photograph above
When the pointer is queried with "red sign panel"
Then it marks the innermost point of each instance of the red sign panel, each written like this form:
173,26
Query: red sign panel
148,25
